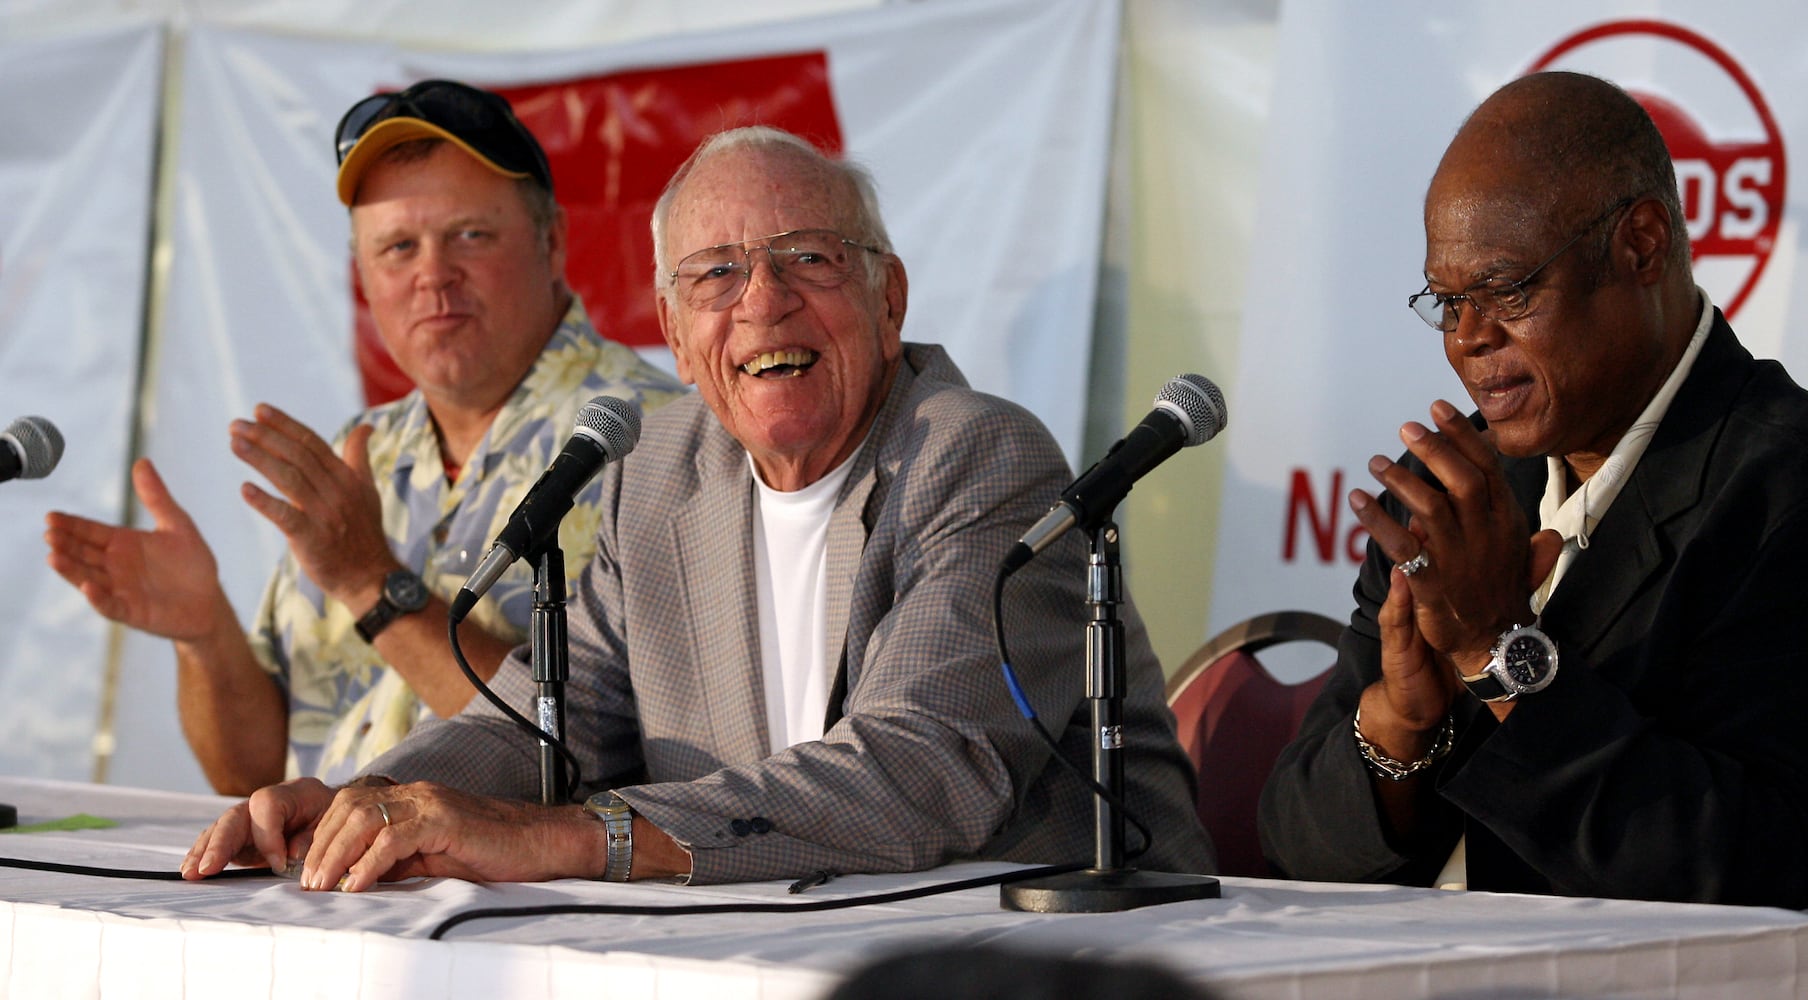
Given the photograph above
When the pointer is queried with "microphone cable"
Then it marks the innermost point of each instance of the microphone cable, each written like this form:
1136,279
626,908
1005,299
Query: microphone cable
1054,747
156,875
813,906
458,654
594,909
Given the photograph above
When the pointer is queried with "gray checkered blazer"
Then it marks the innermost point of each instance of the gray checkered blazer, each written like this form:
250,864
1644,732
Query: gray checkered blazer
925,759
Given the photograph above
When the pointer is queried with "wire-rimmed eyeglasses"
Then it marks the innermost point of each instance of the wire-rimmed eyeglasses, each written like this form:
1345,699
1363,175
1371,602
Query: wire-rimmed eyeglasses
1497,298
714,278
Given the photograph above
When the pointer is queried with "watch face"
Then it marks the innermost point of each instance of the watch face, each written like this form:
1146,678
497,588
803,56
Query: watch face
1526,660
406,591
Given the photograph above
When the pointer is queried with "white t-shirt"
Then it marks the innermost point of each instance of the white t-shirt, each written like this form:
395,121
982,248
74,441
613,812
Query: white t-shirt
790,561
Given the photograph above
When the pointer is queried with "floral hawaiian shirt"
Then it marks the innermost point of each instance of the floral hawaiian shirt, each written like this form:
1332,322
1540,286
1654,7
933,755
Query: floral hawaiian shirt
345,705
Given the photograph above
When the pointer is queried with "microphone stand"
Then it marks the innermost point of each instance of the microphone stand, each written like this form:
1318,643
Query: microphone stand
1107,886
551,666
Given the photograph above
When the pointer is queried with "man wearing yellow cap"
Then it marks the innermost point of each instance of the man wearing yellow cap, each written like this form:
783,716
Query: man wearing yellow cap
460,251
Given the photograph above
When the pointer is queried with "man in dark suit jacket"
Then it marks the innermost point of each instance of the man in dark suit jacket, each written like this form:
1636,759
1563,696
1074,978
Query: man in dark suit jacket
1610,706
883,738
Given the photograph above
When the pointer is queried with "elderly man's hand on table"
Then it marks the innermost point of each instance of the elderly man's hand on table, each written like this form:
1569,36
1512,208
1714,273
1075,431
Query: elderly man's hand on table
371,833
260,829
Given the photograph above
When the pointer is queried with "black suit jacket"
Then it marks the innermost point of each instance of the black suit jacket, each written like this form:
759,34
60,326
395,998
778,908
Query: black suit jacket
1669,758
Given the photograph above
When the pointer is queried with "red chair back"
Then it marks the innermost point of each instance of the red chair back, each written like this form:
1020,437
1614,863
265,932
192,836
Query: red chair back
1234,717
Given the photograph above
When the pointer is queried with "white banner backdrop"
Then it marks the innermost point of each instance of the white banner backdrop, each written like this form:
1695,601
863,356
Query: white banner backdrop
78,120
1366,97
985,123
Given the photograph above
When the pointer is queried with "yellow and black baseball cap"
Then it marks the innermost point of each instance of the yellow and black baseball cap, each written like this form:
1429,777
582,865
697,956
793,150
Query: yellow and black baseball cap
477,121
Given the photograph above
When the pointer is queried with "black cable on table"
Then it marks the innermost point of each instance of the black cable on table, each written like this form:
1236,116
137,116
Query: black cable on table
813,906
154,876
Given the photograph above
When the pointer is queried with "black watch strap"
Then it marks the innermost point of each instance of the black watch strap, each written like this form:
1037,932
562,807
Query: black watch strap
1486,686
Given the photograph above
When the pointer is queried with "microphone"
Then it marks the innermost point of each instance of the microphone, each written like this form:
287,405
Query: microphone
607,429
33,447
1189,410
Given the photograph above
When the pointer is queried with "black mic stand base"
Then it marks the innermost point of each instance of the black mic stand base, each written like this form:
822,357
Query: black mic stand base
1094,890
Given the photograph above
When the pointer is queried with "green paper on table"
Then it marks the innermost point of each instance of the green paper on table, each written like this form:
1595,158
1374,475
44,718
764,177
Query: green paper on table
80,821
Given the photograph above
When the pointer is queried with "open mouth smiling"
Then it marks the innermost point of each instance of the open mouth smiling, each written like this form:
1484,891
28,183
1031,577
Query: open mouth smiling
787,363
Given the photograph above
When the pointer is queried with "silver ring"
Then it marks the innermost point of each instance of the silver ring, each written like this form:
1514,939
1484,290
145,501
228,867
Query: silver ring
381,808
1416,563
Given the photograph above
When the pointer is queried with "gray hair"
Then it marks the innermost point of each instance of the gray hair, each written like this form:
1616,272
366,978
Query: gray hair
869,228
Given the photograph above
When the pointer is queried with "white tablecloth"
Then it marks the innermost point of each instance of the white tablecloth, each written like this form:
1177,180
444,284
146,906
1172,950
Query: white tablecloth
70,935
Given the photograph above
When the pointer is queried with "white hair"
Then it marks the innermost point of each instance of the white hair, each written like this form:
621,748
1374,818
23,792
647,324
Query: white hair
869,227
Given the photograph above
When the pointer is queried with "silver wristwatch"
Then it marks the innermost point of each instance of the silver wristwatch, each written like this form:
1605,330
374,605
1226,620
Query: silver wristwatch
1523,661
618,833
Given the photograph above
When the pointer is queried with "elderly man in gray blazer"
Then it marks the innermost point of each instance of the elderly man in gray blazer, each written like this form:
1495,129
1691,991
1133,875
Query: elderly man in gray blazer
782,655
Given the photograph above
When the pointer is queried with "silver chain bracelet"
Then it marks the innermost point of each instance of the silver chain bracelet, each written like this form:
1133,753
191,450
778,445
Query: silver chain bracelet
1396,770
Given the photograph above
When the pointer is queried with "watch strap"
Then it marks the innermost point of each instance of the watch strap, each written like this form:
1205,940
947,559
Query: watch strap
618,833
1486,686
377,619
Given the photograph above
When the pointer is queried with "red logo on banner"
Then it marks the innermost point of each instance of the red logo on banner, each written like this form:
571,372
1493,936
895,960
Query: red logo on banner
1732,187
612,142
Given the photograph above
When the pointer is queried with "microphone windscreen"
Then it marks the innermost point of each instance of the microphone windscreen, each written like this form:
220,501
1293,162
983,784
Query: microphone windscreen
39,444
613,423
1199,402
